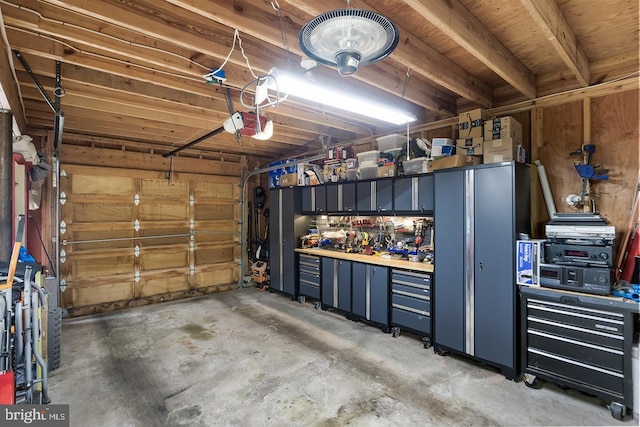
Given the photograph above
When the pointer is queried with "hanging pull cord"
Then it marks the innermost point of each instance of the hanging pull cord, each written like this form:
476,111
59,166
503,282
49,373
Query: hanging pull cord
283,34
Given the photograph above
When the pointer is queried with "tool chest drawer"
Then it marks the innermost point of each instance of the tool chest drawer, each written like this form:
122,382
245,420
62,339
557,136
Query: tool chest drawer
411,300
580,341
309,276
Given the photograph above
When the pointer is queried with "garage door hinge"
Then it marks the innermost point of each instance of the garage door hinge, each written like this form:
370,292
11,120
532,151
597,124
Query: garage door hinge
192,246
63,256
192,270
63,173
136,199
63,285
192,224
136,225
63,198
192,200
136,251
136,276
63,227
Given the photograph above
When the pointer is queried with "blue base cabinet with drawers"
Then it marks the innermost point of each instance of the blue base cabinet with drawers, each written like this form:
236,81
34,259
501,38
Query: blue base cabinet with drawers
411,303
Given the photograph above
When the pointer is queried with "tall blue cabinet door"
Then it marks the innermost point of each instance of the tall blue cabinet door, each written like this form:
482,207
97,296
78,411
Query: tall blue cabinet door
329,279
365,196
425,193
495,288
333,198
321,198
308,199
344,285
275,247
403,194
379,294
349,197
359,289
384,195
449,273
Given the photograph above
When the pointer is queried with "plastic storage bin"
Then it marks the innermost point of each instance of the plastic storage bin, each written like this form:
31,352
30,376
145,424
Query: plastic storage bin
390,142
368,158
368,172
414,166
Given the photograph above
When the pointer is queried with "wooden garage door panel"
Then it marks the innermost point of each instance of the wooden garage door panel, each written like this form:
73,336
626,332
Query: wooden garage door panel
161,188
98,267
102,185
159,259
165,237
210,190
164,285
217,277
214,255
209,211
164,212
98,212
98,294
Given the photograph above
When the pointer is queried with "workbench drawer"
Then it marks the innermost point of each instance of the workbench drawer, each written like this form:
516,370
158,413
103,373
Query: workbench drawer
310,277
560,366
580,352
416,305
414,321
309,289
411,291
411,278
588,336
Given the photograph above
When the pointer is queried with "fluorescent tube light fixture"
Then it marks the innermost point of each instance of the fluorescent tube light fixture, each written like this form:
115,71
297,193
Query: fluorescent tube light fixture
299,86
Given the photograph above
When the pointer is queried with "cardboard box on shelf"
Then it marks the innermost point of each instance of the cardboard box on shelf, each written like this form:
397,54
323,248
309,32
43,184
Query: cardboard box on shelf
469,146
289,179
503,127
387,170
503,150
457,160
470,123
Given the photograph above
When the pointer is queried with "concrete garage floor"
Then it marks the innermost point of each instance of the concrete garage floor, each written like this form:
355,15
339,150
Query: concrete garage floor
250,358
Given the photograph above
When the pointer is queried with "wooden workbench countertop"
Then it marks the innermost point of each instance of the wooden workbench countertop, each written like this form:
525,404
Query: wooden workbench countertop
369,259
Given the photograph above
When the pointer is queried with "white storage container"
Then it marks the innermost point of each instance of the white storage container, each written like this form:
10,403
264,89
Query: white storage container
414,166
390,142
367,172
368,158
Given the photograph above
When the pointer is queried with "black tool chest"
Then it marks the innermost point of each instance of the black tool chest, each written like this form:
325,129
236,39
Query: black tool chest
309,276
580,341
411,303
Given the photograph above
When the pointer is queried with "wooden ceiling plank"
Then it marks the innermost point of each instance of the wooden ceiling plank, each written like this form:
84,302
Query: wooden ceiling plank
415,54
132,79
455,20
553,23
259,19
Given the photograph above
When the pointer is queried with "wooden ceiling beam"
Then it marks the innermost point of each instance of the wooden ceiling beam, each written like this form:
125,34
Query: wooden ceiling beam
455,20
258,18
145,83
550,19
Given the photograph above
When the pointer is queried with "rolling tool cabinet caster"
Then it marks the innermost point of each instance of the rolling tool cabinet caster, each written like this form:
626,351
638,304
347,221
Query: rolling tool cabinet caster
301,299
440,352
531,381
426,342
318,305
395,332
618,410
